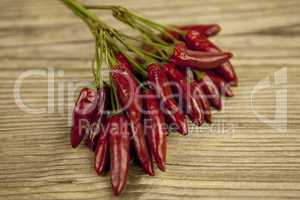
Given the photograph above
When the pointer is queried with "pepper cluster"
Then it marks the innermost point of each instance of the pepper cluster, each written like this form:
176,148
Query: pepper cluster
157,79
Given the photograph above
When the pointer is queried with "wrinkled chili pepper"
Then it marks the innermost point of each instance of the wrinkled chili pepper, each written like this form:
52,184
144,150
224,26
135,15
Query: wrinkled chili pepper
224,88
194,109
159,84
98,137
101,152
184,57
128,94
83,113
119,151
211,92
98,119
198,94
197,41
156,132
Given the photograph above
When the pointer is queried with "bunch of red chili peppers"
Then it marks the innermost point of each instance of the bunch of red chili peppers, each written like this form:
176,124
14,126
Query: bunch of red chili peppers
157,79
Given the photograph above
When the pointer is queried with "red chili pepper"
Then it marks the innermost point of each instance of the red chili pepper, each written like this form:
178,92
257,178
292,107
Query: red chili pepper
159,84
197,41
119,151
98,132
83,113
184,57
205,29
198,94
194,108
156,133
224,88
98,119
211,91
123,60
128,94
102,152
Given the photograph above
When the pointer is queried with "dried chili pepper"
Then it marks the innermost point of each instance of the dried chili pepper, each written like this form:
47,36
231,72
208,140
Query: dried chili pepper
156,133
98,137
159,84
128,94
183,57
224,88
83,113
194,108
102,151
211,92
98,119
197,41
198,94
119,151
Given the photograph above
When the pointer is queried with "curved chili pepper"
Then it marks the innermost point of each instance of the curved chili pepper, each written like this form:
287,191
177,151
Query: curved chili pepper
224,88
83,113
205,29
194,108
211,91
119,151
184,57
159,84
128,94
198,94
197,41
98,119
156,133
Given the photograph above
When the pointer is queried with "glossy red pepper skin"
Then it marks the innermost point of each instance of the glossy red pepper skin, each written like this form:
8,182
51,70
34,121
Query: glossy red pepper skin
83,113
119,151
98,119
197,41
156,130
224,88
128,94
194,108
199,95
205,29
159,83
186,58
211,92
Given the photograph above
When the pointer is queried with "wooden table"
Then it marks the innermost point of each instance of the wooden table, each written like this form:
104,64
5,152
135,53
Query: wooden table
253,159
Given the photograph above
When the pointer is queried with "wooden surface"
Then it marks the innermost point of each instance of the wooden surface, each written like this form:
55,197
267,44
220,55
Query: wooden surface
250,161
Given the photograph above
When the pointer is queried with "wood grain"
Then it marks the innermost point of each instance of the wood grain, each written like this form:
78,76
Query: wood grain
250,161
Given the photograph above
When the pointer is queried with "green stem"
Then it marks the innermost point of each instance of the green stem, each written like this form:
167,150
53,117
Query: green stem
101,7
137,51
136,66
74,4
112,98
198,74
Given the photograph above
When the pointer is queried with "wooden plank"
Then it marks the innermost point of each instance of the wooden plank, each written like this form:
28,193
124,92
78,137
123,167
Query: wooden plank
250,161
